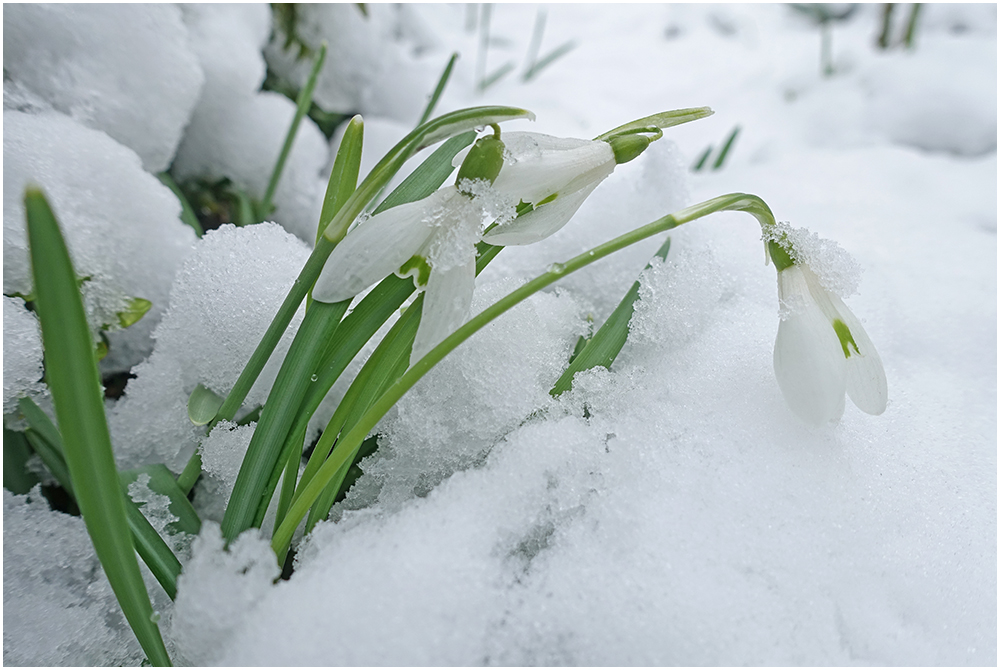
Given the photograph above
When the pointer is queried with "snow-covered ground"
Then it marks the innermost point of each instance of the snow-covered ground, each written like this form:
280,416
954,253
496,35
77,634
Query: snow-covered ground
672,510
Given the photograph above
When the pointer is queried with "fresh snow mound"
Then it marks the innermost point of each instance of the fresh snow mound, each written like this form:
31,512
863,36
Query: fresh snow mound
124,69
120,223
221,302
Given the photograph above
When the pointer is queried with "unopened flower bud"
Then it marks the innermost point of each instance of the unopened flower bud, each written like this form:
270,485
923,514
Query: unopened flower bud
483,162
627,147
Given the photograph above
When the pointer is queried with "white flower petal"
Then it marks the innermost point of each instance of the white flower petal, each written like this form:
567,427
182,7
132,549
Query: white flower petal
535,176
808,360
866,382
377,248
447,301
539,223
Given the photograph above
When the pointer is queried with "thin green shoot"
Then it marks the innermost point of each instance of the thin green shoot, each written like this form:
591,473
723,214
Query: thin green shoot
607,342
724,151
438,90
187,213
496,75
548,59
302,106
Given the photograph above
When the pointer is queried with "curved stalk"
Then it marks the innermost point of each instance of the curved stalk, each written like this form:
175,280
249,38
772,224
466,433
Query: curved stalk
349,443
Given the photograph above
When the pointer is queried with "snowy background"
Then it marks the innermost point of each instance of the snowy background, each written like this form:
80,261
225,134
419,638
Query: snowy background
671,510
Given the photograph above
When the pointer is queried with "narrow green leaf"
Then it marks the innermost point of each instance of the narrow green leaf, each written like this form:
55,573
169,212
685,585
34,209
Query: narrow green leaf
548,59
662,120
344,176
301,108
71,372
496,75
187,212
45,439
702,159
438,90
16,452
203,404
607,342
727,145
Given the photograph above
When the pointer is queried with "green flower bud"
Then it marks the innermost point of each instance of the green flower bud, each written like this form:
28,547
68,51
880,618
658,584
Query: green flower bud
627,147
484,160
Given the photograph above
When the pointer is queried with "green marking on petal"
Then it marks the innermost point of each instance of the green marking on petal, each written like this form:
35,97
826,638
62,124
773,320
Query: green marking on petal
136,309
845,337
547,200
418,268
780,256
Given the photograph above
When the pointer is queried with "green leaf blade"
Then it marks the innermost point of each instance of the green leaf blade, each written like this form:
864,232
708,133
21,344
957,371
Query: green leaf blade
73,379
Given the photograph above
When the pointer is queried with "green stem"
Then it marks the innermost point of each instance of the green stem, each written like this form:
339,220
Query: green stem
351,441
302,107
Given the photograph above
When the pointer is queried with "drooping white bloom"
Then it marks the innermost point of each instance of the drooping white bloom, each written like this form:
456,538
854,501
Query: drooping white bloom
553,174
822,351
435,237
440,232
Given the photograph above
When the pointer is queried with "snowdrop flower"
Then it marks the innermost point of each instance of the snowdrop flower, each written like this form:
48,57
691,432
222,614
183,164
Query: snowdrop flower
821,349
554,175
432,240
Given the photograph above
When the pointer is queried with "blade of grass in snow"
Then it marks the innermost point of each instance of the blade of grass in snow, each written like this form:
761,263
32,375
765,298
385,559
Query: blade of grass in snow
429,133
349,443
438,90
71,372
724,151
301,107
46,441
344,176
187,213
702,159
372,311
607,342
548,59
16,451
497,75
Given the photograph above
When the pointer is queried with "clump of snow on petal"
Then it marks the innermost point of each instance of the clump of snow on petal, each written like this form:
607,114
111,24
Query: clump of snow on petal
836,269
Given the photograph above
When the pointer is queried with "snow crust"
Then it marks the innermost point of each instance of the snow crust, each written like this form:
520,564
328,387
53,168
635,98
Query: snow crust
669,511
22,371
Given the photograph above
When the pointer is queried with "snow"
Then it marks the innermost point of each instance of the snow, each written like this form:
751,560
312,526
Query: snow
669,511
120,223
22,373
221,302
125,69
